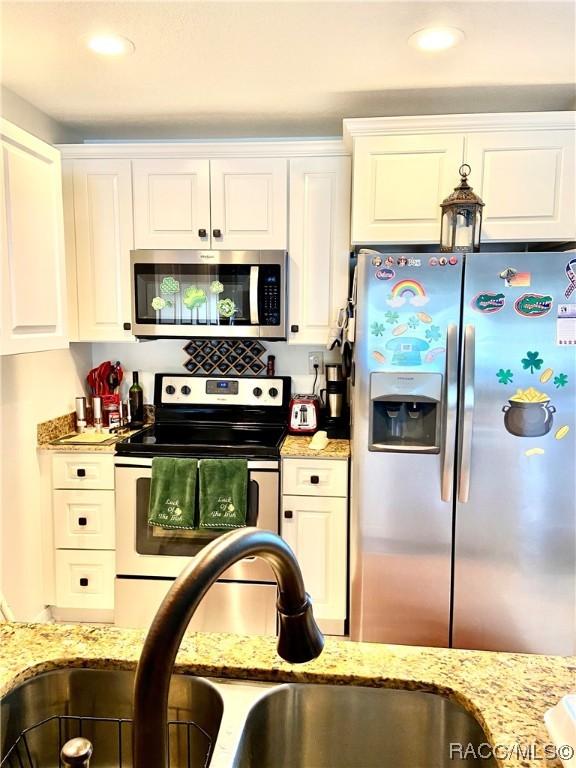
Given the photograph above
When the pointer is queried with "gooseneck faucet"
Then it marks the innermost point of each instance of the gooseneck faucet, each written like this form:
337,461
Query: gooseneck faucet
299,638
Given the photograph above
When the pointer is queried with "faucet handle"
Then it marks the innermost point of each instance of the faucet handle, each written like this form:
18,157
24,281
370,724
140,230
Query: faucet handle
76,753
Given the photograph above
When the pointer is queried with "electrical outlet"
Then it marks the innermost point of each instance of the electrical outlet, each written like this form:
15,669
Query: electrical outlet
316,358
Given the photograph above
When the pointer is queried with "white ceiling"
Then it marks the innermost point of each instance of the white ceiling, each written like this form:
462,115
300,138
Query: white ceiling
281,68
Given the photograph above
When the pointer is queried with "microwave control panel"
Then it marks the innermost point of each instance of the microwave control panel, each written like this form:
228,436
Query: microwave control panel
270,295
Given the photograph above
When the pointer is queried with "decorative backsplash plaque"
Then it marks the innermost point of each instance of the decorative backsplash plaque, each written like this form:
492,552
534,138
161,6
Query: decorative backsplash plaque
225,356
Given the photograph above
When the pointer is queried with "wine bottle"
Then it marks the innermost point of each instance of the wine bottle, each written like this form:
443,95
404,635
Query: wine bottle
136,397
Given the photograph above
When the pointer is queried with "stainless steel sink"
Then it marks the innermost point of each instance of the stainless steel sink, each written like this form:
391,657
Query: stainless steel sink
103,699
328,726
239,724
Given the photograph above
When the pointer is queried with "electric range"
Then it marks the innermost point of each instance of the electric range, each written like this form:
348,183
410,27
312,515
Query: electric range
214,416
201,417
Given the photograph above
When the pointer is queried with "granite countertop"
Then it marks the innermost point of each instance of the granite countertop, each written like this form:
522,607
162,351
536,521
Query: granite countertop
87,447
299,446
507,693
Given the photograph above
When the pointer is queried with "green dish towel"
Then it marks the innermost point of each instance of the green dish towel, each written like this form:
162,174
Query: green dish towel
173,492
223,493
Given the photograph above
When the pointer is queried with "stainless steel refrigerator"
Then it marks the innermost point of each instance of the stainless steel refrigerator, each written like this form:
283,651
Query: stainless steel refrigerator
463,528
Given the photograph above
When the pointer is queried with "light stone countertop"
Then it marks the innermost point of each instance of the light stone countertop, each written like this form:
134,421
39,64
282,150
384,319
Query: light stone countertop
86,447
507,693
298,446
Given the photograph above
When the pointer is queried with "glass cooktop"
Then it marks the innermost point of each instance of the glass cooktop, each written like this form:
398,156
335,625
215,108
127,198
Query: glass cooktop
205,440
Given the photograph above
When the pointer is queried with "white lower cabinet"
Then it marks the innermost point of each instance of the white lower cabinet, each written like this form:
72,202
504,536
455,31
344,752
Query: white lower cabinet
85,579
316,529
84,536
314,523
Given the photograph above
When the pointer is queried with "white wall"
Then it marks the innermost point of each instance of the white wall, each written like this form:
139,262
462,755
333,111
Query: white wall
167,355
33,388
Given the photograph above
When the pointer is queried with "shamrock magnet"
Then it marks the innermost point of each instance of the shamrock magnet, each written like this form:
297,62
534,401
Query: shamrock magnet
532,362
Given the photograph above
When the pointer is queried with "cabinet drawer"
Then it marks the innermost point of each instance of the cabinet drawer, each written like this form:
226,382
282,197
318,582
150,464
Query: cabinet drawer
315,477
84,519
83,470
84,579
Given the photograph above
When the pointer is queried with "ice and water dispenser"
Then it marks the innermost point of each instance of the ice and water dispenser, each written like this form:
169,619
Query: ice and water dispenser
405,412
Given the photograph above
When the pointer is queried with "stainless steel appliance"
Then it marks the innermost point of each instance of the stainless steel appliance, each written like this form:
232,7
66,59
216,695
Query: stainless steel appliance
464,448
199,416
336,421
209,293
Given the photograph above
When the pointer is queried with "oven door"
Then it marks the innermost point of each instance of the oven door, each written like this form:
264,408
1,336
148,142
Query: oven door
146,550
208,293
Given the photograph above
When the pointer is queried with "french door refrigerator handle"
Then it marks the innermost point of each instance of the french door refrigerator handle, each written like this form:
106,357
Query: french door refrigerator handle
254,318
450,404
467,413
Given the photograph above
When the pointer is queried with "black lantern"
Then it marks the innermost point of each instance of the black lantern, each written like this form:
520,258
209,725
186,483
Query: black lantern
461,217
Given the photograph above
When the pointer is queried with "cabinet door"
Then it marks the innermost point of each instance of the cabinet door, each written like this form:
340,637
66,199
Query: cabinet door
249,203
103,219
171,203
33,298
399,183
319,237
316,529
526,180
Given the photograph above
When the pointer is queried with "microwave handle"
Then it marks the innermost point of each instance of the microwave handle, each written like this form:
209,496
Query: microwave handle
254,316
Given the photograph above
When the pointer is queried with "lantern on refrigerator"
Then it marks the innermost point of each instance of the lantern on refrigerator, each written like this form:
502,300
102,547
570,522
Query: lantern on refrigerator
461,217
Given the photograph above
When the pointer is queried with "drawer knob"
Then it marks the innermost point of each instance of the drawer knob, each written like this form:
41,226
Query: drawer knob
127,326
288,514
314,479
202,233
81,472
294,328
82,521
217,232
83,581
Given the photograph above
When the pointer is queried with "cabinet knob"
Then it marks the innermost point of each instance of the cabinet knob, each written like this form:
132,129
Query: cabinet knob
288,514
294,328
202,233
80,472
127,326
217,232
82,521
83,581
314,479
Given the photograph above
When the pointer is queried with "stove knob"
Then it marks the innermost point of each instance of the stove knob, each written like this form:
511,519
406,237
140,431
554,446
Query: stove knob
185,390
273,392
170,389
256,391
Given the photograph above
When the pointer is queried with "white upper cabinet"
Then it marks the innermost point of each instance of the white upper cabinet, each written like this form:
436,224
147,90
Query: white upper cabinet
249,203
526,180
319,245
399,183
104,238
522,167
172,203
32,262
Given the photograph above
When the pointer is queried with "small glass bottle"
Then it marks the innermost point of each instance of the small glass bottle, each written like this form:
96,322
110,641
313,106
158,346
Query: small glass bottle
136,398
271,365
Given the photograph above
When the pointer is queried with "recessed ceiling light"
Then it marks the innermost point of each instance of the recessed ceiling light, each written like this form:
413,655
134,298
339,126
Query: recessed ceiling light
110,45
436,38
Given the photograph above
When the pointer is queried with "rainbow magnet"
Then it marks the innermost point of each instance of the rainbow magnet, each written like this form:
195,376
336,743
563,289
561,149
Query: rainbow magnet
410,291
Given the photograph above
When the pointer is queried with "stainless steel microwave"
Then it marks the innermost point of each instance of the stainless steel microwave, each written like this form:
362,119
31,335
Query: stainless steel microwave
209,293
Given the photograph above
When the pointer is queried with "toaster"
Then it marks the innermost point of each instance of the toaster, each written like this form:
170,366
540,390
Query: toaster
304,414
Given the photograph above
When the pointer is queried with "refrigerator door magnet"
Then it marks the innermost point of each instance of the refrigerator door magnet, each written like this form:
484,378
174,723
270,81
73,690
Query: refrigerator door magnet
488,302
571,275
533,305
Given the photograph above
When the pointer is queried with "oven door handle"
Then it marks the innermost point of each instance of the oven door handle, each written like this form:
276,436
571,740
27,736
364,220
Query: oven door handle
254,275
253,503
